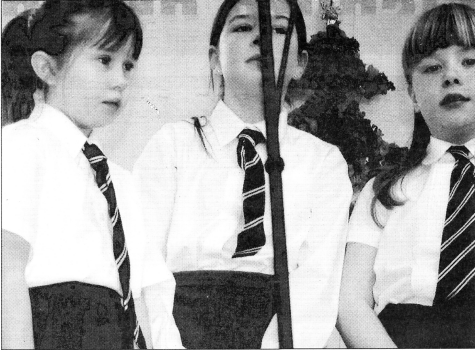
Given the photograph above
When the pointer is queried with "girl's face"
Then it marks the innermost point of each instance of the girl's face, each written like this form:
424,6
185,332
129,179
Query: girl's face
90,86
238,53
443,88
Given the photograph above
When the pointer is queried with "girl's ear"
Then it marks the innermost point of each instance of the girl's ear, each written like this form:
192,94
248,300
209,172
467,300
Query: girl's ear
412,95
216,72
44,66
302,64
214,63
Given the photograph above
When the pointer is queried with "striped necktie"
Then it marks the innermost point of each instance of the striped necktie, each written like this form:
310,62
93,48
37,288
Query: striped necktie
457,256
252,237
98,162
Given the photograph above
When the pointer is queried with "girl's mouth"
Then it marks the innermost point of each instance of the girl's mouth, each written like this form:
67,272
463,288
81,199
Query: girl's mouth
114,104
255,58
452,99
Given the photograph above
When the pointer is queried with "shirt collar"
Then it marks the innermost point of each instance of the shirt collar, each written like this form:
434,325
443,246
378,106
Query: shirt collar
57,123
437,149
227,125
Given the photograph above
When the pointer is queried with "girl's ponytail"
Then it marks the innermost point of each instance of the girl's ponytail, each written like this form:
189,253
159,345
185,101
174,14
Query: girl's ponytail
19,80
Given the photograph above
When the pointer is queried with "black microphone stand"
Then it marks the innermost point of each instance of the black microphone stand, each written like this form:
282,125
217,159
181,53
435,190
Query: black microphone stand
272,93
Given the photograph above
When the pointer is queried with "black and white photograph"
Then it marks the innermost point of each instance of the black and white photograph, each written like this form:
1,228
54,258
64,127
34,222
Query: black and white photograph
237,174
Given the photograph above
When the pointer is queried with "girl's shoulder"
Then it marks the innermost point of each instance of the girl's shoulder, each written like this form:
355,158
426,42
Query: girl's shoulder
307,144
22,126
34,139
363,226
184,129
23,137
24,148
181,134
173,142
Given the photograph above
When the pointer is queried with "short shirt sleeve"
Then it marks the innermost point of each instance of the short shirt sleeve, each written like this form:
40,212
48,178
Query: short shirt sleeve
155,184
143,265
363,228
21,181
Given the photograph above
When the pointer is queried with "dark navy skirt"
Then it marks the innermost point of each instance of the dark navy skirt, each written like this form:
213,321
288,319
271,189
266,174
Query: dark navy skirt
448,325
76,315
223,309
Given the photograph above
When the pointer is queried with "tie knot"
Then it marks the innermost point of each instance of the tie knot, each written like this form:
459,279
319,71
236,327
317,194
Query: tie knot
254,136
459,152
93,154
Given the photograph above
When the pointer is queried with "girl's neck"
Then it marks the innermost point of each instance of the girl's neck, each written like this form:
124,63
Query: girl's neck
248,105
456,137
59,106
250,110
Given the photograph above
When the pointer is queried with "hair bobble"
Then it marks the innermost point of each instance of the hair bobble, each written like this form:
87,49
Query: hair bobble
30,16
30,20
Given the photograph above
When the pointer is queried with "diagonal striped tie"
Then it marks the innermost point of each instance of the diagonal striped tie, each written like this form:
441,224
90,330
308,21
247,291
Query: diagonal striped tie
98,162
457,256
252,237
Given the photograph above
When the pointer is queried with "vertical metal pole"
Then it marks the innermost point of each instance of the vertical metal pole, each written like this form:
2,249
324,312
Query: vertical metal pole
274,166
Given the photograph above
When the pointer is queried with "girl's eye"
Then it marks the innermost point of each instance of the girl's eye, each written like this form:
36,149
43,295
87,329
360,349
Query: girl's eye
243,28
469,62
280,30
431,69
105,60
129,66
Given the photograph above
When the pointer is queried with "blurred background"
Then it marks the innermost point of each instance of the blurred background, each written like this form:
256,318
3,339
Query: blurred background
172,78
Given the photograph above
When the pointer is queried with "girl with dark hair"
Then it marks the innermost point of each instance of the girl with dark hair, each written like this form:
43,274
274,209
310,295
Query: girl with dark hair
212,219
409,270
72,245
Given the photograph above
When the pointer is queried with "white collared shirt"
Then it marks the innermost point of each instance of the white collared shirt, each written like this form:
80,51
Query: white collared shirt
407,261
192,202
51,199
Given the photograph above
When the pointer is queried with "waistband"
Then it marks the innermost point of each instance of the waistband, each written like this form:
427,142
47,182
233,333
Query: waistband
230,278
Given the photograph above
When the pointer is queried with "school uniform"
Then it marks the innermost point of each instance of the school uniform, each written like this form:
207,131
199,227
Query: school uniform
51,199
409,248
193,203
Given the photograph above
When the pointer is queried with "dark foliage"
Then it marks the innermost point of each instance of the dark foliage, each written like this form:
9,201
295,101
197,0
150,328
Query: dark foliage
335,81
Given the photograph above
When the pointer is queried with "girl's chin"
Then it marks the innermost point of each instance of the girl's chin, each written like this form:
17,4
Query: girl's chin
103,121
109,114
456,135
110,110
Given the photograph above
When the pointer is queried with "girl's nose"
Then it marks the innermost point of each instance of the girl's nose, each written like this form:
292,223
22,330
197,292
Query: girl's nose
257,38
120,79
451,81
452,77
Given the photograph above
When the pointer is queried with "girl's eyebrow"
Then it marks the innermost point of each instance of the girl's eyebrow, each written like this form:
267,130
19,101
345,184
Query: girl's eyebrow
431,57
237,17
281,17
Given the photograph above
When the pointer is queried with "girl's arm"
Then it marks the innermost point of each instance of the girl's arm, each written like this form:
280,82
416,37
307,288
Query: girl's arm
357,322
155,181
17,326
315,283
